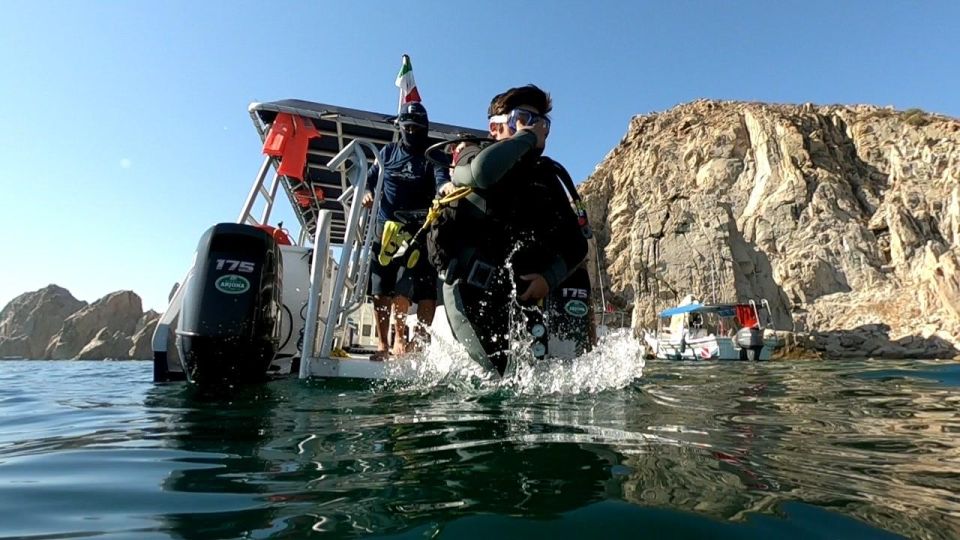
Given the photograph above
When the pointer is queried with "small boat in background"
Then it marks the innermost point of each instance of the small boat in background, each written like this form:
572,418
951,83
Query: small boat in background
695,331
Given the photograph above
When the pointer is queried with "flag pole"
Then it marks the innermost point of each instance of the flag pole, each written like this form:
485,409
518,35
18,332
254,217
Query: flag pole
403,61
406,83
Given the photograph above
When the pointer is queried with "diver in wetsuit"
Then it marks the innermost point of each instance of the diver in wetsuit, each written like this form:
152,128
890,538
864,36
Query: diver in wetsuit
515,231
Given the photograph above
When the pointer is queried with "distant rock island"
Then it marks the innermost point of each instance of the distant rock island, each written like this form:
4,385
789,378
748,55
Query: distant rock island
846,218
50,324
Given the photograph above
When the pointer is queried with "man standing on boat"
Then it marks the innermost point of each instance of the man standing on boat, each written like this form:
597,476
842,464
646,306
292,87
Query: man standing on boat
515,231
410,183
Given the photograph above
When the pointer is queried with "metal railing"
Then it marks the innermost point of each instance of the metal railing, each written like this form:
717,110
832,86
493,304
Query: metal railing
161,335
269,195
349,287
326,306
318,267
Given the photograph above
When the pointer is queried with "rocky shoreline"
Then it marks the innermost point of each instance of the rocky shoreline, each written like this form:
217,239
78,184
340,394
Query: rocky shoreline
845,218
50,324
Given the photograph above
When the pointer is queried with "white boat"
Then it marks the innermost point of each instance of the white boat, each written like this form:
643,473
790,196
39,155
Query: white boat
257,302
695,331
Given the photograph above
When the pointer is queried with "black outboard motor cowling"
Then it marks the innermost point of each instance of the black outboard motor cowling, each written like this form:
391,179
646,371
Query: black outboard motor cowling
229,322
750,341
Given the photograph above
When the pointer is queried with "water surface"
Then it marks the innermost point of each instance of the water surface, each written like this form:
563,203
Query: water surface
844,449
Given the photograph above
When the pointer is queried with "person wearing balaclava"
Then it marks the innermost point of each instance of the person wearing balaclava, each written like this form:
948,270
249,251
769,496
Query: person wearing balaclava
410,183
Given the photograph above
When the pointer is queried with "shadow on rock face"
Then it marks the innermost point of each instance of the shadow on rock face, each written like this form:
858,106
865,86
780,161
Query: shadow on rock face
874,341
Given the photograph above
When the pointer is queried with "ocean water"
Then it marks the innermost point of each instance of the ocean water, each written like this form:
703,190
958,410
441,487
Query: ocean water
803,449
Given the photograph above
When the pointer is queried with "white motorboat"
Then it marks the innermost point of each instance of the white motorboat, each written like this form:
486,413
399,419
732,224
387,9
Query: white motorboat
695,331
257,302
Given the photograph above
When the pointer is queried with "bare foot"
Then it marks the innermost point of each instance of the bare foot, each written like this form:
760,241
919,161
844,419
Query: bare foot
380,356
399,349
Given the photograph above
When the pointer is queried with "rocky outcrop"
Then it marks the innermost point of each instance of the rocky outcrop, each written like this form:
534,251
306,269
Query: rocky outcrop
52,324
106,324
847,219
29,321
141,346
105,344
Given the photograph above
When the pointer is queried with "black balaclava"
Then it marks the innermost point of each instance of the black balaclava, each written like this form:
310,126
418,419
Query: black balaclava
414,114
417,141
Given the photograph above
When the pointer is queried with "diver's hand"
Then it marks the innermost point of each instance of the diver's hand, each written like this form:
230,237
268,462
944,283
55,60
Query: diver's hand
538,288
446,189
539,129
367,200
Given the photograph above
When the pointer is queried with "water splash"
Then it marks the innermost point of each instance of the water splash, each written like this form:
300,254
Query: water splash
614,363
444,363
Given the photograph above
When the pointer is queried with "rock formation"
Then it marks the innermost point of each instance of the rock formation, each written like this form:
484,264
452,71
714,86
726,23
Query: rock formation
52,324
29,321
141,341
847,219
110,318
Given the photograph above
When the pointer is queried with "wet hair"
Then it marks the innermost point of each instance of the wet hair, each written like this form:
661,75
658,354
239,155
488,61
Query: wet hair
530,95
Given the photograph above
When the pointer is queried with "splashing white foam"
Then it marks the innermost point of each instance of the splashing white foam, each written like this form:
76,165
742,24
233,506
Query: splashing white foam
613,364
443,363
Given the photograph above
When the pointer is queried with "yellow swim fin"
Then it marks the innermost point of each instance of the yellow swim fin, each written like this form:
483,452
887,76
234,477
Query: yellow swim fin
395,237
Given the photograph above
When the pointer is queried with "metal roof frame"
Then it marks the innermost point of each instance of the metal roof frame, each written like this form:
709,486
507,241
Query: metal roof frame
338,127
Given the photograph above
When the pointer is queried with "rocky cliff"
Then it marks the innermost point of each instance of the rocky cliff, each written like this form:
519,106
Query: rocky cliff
52,324
29,321
846,218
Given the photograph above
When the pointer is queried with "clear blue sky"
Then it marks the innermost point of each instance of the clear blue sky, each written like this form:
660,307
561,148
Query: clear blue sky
125,131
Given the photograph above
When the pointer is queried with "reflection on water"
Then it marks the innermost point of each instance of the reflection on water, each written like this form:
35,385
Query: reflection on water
881,449
786,450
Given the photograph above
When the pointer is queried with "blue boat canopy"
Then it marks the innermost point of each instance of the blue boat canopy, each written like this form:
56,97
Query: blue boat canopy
725,310
680,310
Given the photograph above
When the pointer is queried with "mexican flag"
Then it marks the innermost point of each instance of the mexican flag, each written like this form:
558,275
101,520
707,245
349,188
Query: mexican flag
406,84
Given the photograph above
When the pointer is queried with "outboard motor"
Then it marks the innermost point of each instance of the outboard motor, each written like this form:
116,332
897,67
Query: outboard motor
750,341
229,323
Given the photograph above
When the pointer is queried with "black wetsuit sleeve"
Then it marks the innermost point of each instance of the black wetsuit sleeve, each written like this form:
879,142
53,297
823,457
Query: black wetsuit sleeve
565,262
493,162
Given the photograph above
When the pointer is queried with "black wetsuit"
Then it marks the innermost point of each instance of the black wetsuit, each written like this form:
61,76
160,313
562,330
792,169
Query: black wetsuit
517,221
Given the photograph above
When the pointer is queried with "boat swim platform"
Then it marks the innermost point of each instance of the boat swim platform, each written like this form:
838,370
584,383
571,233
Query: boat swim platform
361,367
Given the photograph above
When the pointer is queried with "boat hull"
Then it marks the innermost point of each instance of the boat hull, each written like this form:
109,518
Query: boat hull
703,348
